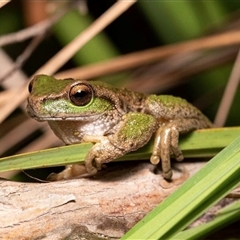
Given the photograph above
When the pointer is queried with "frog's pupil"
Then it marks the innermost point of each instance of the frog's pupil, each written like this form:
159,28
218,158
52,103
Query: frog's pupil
81,94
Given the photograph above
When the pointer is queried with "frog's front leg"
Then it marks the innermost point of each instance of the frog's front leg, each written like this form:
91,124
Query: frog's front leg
166,142
133,132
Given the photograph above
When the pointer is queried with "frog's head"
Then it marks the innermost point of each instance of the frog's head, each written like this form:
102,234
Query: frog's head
67,99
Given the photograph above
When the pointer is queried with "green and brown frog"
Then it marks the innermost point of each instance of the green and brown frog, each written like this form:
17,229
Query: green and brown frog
117,120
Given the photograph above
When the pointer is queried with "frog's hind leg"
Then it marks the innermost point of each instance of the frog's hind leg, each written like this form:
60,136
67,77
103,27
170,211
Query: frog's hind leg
166,142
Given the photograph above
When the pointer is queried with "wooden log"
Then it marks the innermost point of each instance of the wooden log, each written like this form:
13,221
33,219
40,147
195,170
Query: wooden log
103,207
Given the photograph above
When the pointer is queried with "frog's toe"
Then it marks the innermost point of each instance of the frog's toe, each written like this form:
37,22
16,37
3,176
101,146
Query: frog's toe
52,177
91,169
177,154
99,165
179,157
57,176
167,175
155,159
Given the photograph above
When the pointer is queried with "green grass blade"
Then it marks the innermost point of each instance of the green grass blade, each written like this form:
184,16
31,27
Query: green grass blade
45,158
217,178
202,143
225,217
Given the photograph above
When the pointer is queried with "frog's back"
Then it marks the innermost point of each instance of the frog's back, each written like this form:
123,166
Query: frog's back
168,107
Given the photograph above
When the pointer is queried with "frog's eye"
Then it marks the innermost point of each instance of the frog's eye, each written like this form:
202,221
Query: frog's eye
81,94
30,85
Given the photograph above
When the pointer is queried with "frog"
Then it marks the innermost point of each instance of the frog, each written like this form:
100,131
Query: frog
116,120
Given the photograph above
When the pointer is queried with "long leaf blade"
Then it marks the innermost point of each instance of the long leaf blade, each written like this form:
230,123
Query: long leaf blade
218,177
225,217
201,143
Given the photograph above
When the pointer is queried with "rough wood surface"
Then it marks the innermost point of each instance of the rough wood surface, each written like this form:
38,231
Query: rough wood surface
104,207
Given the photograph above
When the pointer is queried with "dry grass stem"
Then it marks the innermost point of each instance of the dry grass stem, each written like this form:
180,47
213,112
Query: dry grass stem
228,94
22,58
23,129
160,77
16,80
5,96
152,55
2,3
35,30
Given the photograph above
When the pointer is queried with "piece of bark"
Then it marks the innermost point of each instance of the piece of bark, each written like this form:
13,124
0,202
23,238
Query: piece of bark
104,207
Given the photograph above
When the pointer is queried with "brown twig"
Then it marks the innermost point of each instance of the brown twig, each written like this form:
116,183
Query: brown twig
35,30
137,59
161,77
229,94
22,58
4,3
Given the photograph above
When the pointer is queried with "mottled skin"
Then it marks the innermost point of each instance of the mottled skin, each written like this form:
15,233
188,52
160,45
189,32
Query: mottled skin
118,121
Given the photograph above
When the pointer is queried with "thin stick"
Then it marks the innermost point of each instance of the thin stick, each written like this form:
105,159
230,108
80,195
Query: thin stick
137,59
68,51
229,94
22,58
3,3
32,31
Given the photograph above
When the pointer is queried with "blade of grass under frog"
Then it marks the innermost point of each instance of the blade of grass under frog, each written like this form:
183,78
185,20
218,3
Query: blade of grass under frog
201,143
217,178
46,158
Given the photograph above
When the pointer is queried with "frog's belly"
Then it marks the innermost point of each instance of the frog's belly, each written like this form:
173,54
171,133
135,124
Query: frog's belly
72,132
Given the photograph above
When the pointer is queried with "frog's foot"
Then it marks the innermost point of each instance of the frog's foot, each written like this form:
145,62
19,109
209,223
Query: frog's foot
133,132
165,144
99,154
70,172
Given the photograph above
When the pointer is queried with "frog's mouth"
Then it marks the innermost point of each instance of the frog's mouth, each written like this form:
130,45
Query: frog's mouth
61,117
69,118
